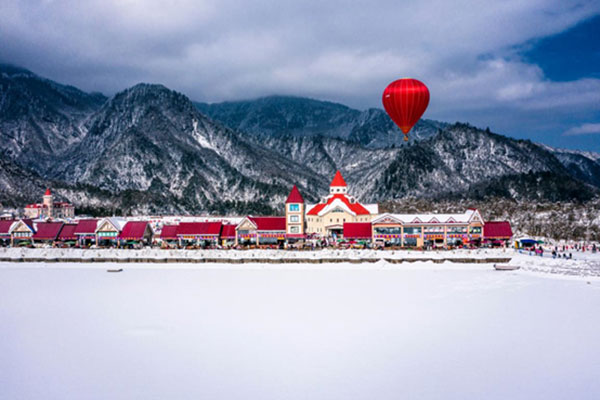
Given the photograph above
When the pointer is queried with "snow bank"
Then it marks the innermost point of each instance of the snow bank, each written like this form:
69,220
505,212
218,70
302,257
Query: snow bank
156,253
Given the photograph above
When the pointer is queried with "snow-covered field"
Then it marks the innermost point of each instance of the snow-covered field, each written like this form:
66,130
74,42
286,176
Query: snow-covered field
267,331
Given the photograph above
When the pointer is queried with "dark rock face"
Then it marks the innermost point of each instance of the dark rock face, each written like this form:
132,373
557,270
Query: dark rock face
151,150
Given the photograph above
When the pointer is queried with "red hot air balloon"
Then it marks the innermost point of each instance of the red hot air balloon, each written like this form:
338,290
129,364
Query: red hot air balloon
405,101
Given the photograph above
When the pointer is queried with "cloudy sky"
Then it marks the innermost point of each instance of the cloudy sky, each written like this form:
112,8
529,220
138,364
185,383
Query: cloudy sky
528,69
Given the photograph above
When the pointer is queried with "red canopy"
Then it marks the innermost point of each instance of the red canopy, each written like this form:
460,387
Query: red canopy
134,230
269,223
228,231
5,226
169,232
47,230
357,230
199,228
497,230
86,227
67,232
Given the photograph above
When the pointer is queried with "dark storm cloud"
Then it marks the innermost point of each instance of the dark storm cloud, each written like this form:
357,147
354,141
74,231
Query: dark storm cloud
344,51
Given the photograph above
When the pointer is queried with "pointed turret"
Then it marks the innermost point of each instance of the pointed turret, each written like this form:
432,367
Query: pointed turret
295,196
294,215
338,184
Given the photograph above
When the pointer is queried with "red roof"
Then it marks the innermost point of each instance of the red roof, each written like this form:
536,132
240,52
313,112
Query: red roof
497,230
338,180
86,227
269,223
67,232
5,226
228,231
357,208
357,230
169,232
199,228
48,192
29,223
47,230
134,230
295,196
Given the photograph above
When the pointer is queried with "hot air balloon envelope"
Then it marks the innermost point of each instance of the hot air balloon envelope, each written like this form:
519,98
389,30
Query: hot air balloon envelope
405,101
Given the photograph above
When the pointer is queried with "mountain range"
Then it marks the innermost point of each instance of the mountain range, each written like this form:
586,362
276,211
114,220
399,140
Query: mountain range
149,149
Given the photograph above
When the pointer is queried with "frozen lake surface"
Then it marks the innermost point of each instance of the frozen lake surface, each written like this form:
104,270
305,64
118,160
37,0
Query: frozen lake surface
422,331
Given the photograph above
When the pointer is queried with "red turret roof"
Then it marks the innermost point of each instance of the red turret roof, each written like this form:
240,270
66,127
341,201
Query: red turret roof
295,196
48,192
338,180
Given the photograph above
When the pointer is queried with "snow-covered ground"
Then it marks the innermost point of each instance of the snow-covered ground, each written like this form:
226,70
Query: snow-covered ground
582,264
317,331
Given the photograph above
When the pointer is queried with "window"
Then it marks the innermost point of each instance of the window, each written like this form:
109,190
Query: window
294,218
294,229
476,229
294,207
412,230
388,230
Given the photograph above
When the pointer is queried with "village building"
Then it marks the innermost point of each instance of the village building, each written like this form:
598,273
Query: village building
420,230
497,232
228,235
5,231
67,234
261,230
108,230
49,208
136,232
85,232
21,232
327,218
46,232
199,233
168,235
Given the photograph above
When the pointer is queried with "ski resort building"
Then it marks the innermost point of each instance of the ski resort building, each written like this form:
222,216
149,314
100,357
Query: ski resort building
67,234
49,208
327,218
197,232
419,230
109,230
135,232
46,232
261,230
22,231
85,232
